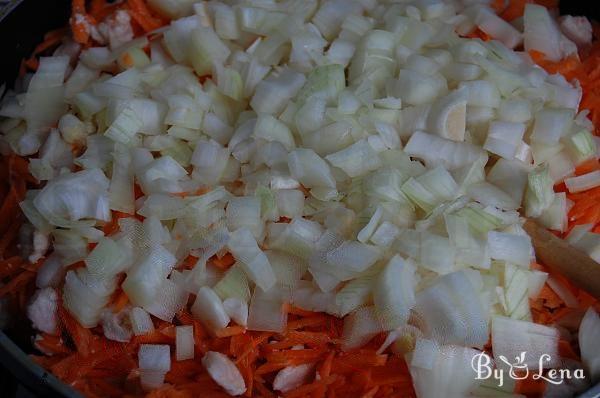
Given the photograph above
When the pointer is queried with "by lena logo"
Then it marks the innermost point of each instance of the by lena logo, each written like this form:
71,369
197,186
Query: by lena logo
518,369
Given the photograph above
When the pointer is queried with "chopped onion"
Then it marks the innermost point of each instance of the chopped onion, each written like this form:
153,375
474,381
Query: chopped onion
267,311
442,371
513,337
360,327
237,310
583,182
184,342
224,372
589,332
140,320
255,263
393,302
154,362
453,312
234,284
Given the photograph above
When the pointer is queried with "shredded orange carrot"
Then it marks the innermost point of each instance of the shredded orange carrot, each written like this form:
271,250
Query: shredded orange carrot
230,331
120,300
530,387
143,16
113,225
79,21
222,262
189,262
587,167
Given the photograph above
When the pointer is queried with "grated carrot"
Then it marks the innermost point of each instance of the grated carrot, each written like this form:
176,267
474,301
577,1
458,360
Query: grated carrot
230,331
142,15
224,262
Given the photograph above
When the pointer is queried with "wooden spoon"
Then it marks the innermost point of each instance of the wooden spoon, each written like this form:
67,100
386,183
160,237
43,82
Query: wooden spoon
558,255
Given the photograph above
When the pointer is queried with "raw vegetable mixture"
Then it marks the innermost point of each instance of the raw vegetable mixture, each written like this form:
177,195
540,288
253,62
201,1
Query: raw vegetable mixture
302,198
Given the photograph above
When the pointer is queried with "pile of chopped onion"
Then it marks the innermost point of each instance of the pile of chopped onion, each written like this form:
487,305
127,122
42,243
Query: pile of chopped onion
355,157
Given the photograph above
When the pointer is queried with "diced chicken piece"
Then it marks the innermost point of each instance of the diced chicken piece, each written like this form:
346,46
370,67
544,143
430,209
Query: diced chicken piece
42,310
578,29
40,246
224,372
292,377
116,326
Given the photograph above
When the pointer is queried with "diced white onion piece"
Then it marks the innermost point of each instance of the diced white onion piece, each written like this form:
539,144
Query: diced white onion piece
512,337
106,259
498,28
583,182
254,262
578,29
447,117
504,138
310,169
540,192
155,357
453,312
140,320
290,202
515,110
415,88
589,333
208,307
542,33
481,93
360,327
563,292
224,372
551,124
367,231
168,301
116,326
436,150
431,363
184,342
270,129
515,249
393,302
206,48
267,311
292,377
73,196
85,296
436,253
244,212
210,160
234,284
582,146
272,94
237,310
42,310
351,258
147,275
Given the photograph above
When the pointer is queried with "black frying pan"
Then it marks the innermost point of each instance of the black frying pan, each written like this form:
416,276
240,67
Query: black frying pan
22,25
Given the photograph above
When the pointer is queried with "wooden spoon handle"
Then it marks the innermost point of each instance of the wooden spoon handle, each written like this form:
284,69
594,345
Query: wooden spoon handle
558,255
